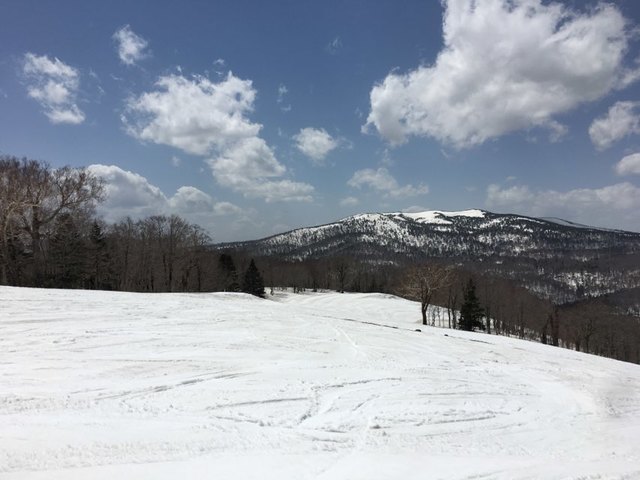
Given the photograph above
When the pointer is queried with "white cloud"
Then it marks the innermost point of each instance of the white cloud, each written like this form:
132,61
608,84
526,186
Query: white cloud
349,202
506,65
227,208
176,161
131,47
131,194
315,143
615,206
128,193
248,159
194,115
249,167
621,120
189,199
382,181
629,165
206,118
54,85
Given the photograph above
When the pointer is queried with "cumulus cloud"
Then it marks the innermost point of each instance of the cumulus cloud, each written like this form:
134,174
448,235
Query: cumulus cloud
131,47
382,181
616,206
128,193
54,84
506,65
249,167
621,120
315,143
189,199
210,119
227,208
629,165
131,194
194,115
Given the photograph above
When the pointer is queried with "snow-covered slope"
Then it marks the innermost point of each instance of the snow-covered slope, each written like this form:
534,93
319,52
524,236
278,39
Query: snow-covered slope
441,217
320,386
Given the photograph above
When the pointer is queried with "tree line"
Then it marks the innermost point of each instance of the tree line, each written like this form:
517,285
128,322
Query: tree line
51,237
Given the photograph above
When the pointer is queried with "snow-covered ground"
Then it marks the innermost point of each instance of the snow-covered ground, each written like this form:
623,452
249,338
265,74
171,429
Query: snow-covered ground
314,386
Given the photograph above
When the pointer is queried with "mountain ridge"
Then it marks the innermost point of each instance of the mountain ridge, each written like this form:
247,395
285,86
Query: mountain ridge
473,221
554,260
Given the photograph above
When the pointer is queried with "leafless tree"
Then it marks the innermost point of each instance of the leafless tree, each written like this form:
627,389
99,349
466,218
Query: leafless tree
421,282
33,196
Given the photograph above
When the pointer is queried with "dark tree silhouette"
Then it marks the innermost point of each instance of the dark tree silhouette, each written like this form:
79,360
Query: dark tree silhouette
253,282
98,258
471,312
67,252
228,274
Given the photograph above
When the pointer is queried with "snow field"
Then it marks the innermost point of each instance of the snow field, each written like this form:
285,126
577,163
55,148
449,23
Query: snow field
308,386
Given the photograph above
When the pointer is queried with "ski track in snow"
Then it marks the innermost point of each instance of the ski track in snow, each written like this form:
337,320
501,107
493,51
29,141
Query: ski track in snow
309,386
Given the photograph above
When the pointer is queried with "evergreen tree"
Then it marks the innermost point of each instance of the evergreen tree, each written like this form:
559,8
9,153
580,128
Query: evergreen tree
253,282
228,274
471,312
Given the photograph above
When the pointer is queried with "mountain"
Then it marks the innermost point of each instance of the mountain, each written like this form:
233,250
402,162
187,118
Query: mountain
465,234
555,258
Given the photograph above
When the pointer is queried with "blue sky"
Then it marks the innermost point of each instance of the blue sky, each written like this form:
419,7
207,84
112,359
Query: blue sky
251,118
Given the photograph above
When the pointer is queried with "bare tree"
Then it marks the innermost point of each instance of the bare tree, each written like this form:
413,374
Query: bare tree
342,270
12,202
422,282
34,195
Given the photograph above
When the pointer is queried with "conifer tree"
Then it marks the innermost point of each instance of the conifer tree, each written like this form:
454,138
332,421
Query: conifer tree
253,282
471,312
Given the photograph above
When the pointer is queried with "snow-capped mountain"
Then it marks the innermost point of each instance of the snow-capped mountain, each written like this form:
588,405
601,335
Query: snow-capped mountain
472,234
554,259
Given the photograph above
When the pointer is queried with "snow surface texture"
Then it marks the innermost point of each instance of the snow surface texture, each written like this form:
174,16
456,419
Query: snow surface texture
317,386
439,217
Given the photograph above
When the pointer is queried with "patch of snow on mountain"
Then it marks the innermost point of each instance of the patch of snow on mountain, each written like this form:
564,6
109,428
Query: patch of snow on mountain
437,216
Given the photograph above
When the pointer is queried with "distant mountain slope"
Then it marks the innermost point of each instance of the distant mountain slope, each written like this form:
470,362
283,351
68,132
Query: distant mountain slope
465,234
554,259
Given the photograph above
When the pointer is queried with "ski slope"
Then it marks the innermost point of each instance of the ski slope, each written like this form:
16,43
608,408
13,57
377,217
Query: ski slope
100,385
